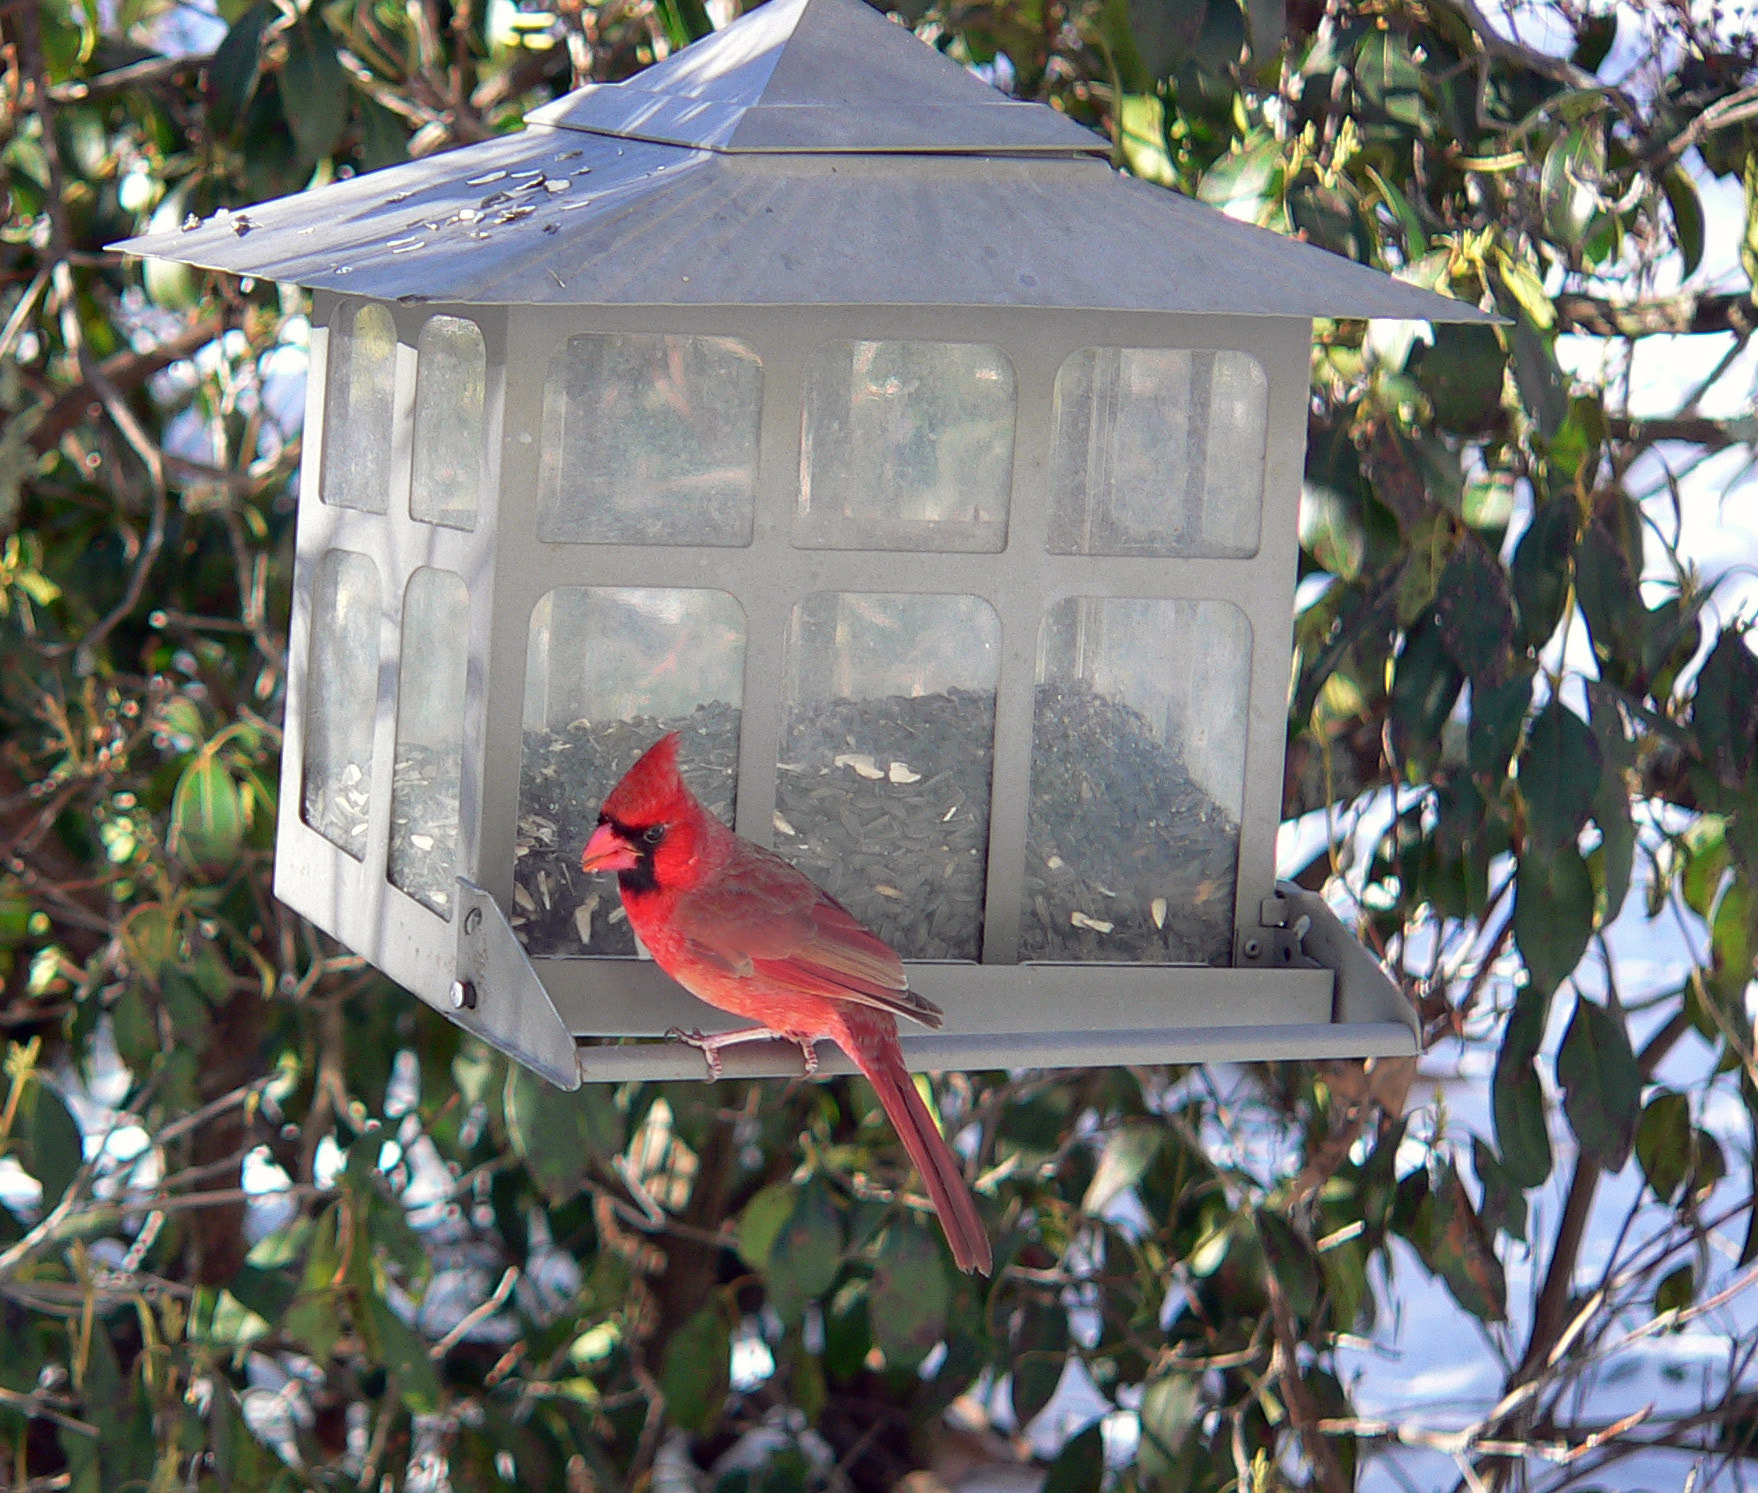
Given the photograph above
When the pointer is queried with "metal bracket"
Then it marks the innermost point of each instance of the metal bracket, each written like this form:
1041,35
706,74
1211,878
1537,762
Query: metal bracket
1279,941
497,995
1365,992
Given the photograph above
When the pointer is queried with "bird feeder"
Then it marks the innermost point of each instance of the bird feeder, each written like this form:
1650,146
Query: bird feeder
939,484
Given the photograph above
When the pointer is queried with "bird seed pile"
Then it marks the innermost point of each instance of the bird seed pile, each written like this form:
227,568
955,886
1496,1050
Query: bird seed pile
1128,860
885,803
424,825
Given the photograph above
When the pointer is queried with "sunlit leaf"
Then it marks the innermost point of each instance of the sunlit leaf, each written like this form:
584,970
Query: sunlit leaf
1128,1153
207,816
1170,1409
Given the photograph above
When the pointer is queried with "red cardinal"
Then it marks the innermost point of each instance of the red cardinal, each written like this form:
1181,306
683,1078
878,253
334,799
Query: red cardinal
740,928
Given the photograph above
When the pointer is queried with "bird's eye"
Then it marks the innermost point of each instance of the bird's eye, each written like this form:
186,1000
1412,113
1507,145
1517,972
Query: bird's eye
653,834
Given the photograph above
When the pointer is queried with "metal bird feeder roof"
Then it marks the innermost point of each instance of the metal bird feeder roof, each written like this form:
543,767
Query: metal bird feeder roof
938,482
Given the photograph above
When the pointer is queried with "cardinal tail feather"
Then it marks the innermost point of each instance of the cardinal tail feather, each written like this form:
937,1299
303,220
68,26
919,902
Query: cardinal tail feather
882,1063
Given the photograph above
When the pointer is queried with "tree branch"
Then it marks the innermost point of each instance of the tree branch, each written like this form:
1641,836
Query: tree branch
1731,311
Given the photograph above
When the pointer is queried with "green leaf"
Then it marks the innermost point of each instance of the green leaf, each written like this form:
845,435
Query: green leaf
1601,1083
1388,79
1559,778
1540,569
1128,1153
1595,35
1248,183
315,90
1488,501
1543,389
1677,1290
207,815
1169,1412
761,1223
46,1140
910,1295
1553,915
1291,1260
807,1253
1425,686
1687,212
1080,1465
1331,530
403,1351
1475,610
1611,804
233,71
1142,127
1724,709
1606,589
1504,1201
1267,23
1663,1143
695,1372
1569,183
1040,1352
1458,1248
382,139
560,1134
1462,373
1498,713
848,1332
1523,1133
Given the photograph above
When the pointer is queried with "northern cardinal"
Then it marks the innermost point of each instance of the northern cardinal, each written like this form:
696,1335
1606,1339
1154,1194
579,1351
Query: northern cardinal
740,928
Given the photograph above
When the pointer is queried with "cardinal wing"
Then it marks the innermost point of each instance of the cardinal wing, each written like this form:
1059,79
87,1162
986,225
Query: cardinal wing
763,919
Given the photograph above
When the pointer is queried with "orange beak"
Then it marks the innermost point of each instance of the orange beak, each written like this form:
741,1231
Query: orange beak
608,851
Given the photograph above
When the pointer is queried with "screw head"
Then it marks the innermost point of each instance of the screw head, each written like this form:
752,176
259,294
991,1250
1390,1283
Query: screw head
473,920
463,995
1253,948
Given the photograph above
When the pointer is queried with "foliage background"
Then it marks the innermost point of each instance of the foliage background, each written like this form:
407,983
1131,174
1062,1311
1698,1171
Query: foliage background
270,1223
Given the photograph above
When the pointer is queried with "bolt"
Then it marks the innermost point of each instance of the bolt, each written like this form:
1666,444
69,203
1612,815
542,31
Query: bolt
1253,948
463,995
473,920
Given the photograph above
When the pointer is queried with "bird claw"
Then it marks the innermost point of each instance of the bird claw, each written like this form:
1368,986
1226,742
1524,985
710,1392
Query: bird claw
809,1049
703,1044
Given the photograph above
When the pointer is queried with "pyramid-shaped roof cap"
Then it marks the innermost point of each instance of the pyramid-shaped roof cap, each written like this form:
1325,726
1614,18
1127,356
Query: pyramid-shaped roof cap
818,75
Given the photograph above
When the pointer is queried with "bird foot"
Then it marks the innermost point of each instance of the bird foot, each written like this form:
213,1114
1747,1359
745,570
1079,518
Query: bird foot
809,1050
706,1045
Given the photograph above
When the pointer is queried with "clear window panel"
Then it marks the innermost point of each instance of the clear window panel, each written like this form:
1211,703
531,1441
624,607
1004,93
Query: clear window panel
1159,451
650,440
341,700
887,753
423,859
451,385
608,671
906,446
359,409
1138,773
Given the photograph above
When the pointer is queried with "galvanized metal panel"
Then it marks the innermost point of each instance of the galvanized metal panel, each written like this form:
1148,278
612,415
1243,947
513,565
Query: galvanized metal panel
562,217
940,1051
808,75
